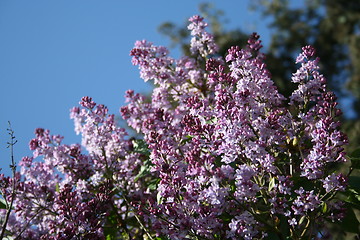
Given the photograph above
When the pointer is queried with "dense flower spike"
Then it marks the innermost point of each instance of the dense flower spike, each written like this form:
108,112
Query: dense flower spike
223,156
202,42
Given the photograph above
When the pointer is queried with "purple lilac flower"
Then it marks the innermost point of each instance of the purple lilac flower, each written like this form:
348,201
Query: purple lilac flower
223,138
221,148
306,201
68,194
311,82
243,226
328,140
246,189
334,182
202,42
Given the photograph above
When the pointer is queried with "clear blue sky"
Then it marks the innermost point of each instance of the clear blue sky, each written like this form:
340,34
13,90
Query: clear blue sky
52,53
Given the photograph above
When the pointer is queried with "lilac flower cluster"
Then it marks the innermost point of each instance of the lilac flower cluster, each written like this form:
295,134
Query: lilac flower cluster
224,155
69,194
230,152
202,42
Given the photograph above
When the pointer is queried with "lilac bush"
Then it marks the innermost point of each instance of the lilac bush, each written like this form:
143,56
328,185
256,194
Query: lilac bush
223,155
78,192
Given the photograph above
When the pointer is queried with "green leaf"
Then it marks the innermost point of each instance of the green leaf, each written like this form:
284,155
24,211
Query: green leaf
132,221
284,226
212,120
232,186
353,198
144,170
350,223
153,183
8,238
125,236
302,182
218,161
159,198
302,220
2,204
226,217
355,163
57,187
187,138
354,182
161,238
324,207
272,236
271,184
141,147
355,158
111,231
355,153
109,237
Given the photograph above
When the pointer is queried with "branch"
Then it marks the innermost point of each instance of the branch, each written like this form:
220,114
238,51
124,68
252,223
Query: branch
13,168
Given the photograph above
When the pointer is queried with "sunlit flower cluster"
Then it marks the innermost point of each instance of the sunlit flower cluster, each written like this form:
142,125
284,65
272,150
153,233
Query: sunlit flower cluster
220,154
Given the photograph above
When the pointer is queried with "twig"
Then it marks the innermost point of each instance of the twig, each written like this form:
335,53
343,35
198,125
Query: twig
13,168
138,219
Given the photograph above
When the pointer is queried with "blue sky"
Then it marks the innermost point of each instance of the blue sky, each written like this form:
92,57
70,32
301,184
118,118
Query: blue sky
52,53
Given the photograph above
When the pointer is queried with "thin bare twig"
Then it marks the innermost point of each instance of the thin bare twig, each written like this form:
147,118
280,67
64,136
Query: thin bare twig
11,144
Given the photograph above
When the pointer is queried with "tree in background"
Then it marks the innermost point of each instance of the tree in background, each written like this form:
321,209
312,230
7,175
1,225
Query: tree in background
331,26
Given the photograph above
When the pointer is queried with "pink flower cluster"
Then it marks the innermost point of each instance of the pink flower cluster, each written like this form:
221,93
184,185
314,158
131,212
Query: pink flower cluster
70,192
231,151
224,155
